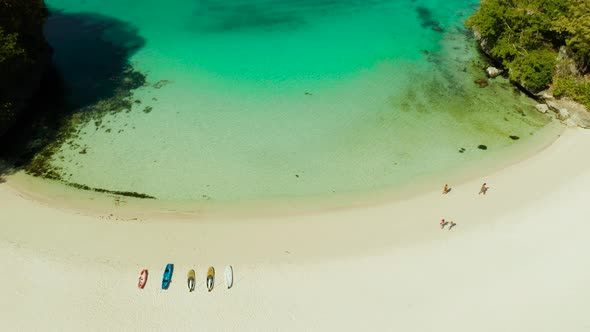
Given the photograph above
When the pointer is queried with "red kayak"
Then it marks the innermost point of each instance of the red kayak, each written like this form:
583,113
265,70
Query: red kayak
142,278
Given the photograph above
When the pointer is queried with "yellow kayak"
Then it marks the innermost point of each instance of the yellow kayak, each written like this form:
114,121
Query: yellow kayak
210,278
191,280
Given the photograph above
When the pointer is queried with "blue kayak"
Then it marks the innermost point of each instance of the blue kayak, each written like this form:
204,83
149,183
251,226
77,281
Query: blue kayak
167,276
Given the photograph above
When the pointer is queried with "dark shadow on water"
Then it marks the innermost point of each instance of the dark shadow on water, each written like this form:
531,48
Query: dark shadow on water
222,17
227,16
91,76
92,53
37,127
426,19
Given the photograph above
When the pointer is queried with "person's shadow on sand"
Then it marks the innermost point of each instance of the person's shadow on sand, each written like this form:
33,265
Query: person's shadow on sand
484,190
452,224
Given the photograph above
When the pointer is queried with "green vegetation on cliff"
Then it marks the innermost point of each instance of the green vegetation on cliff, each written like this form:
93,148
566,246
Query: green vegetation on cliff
526,37
9,47
24,55
20,24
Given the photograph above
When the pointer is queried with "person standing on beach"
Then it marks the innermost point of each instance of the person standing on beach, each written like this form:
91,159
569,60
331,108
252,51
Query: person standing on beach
446,189
443,223
483,189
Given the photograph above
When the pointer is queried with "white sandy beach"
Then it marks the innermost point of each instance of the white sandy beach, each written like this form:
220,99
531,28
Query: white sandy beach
516,261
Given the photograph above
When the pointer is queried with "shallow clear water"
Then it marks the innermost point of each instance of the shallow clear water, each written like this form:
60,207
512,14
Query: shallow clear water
269,99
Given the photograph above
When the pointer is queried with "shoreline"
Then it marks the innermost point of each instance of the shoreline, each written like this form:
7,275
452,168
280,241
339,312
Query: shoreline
513,253
91,203
344,218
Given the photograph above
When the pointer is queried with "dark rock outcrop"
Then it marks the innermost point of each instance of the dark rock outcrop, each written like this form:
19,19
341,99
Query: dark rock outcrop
566,63
569,112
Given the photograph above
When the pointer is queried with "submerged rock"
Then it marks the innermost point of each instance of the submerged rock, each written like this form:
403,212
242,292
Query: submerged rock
482,147
437,27
161,84
481,82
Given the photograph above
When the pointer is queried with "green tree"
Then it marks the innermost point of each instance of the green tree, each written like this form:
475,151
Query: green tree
525,34
575,24
534,69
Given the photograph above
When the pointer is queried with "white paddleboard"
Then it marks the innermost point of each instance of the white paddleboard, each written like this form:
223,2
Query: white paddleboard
229,276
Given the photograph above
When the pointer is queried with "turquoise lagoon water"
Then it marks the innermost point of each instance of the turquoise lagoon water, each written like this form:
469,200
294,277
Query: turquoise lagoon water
264,99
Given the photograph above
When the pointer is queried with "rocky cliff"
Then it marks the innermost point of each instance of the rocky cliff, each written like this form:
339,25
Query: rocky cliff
543,47
566,110
25,56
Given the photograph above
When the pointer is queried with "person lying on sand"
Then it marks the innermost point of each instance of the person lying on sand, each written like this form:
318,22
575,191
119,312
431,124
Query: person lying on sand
452,224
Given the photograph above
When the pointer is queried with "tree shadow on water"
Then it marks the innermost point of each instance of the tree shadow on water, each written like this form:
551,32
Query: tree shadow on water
91,76
92,53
